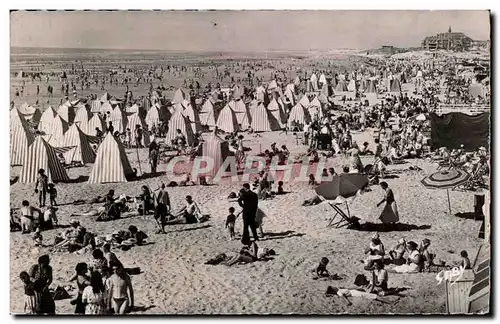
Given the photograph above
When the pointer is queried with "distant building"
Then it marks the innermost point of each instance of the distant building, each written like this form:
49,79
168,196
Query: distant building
450,41
387,49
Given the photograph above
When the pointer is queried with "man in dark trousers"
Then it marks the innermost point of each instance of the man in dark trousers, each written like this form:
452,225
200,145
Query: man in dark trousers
249,201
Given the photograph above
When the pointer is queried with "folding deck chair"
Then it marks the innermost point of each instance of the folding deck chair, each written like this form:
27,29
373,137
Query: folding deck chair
339,219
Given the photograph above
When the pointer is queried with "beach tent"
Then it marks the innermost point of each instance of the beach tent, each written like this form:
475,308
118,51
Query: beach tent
20,137
454,129
272,85
178,121
47,117
326,90
277,110
304,101
241,112
133,121
67,112
56,130
227,120
95,122
105,97
207,113
111,162
315,108
262,120
146,103
118,119
395,85
152,117
106,107
95,106
322,79
193,116
289,93
81,151
351,86
216,149
371,86
314,82
299,114
41,155
296,81
238,92
341,86
135,108
82,117
179,96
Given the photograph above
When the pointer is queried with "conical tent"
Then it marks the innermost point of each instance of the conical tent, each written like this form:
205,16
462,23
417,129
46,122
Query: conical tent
105,97
118,119
82,117
315,108
67,112
272,85
289,94
207,113
263,121
238,92
217,150
352,85
341,86
178,121
152,117
322,79
135,108
314,82
82,151
133,121
41,155
111,162
395,86
299,114
371,86
164,113
227,120
296,81
95,106
47,117
106,107
20,137
194,118
241,112
56,130
179,96
304,101
277,111
95,122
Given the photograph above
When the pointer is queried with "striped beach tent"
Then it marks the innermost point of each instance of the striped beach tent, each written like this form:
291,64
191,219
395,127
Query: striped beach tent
238,92
95,122
111,162
193,116
299,114
395,85
82,151
304,101
20,137
277,110
164,112
289,93
178,121
106,107
135,108
56,131
216,149
41,155
371,86
95,106
146,103
207,113
179,96
241,111
272,85
82,117
314,82
47,117
133,121
105,97
316,108
152,117
263,121
67,112
351,86
227,120
118,119
322,79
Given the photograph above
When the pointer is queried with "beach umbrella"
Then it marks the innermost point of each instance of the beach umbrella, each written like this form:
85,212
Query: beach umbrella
343,185
445,179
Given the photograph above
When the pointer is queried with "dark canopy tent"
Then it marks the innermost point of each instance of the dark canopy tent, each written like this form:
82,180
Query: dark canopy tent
453,129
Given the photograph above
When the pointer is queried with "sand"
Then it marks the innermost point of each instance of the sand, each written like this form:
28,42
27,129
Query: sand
174,279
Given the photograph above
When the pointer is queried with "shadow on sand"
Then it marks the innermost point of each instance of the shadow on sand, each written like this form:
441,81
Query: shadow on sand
282,235
398,227
186,229
470,215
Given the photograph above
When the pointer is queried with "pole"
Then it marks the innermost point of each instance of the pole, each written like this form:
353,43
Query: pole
348,212
449,204
137,153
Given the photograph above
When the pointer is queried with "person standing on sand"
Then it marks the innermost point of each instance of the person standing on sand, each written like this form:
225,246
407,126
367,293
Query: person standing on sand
390,213
41,187
249,201
121,293
163,206
41,275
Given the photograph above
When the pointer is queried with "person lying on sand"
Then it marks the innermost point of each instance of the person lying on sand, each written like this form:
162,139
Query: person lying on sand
74,238
247,254
312,201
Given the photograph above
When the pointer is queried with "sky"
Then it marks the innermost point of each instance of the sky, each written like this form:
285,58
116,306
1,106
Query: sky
239,30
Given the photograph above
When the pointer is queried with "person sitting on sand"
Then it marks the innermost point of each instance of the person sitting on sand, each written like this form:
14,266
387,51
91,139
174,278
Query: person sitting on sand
375,251
398,251
280,190
414,262
427,257
312,180
321,270
364,150
138,236
49,219
146,201
378,283
190,211
179,142
120,291
28,217
110,256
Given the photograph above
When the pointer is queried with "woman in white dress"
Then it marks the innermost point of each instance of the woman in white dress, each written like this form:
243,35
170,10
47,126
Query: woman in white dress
94,296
